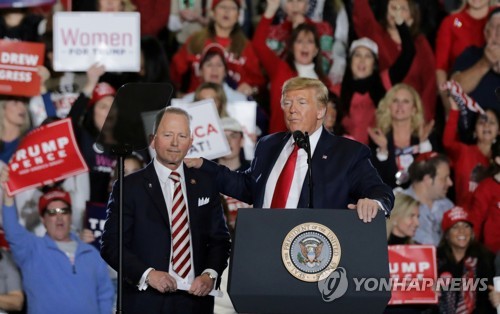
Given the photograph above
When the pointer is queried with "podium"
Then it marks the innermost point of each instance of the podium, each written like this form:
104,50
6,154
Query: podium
274,250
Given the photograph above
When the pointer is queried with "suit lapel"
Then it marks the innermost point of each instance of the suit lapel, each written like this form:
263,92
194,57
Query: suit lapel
153,188
274,152
320,159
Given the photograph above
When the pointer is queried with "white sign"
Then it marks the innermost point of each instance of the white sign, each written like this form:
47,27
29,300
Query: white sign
82,39
246,114
209,139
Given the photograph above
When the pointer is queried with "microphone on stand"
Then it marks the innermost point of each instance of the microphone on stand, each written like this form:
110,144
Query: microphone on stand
302,141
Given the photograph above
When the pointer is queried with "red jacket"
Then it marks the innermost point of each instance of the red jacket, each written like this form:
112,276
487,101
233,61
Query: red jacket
464,159
457,32
243,69
485,212
422,74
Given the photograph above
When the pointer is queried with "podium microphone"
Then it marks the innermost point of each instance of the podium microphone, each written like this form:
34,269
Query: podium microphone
302,141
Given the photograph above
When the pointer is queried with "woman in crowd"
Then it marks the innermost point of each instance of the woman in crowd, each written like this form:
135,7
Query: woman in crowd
213,91
459,255
403,223
213,68
14,123
468,161
279,34
400,134
390,42
223,29
485,206
88,115
457,32
364,84
302,59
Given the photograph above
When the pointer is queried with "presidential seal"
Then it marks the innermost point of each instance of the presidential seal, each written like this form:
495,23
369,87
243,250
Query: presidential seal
310,252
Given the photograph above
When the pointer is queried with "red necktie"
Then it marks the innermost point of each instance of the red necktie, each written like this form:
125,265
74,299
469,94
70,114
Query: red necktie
285,179
181,252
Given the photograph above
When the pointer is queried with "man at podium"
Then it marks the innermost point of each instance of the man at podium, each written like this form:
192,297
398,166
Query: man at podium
341,173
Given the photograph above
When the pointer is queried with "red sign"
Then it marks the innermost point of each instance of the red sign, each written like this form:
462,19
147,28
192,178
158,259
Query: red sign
413,274
47,154
18,67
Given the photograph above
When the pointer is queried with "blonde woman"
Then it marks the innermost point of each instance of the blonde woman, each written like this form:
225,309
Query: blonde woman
403,223
400,134
14,122
215,91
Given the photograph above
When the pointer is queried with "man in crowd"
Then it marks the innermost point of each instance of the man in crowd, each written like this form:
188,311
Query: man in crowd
430,177
176,243
60,273
342,174
477,69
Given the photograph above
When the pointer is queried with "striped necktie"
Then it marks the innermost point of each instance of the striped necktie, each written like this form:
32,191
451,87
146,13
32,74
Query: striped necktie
181,252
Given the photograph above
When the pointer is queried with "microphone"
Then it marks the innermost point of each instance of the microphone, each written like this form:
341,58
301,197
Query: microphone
300,139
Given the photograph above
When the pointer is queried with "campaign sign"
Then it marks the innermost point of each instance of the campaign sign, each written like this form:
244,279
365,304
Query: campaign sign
95,218
209,139
48,153
84,38
24,3
246,114
413,274
18,67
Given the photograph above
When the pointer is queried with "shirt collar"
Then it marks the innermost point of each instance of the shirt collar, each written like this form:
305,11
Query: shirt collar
164,172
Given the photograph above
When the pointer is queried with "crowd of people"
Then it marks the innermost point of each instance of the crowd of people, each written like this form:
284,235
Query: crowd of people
377,73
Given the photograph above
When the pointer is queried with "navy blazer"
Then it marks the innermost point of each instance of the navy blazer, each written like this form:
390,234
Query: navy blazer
341,170
147,236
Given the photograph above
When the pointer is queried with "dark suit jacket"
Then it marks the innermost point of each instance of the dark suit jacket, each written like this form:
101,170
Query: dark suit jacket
147,239
341,170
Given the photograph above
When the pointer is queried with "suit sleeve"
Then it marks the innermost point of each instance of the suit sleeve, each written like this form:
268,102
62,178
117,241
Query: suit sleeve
231,183
365,181
134,267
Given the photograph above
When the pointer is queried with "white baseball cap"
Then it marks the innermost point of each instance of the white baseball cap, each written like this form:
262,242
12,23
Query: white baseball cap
364,42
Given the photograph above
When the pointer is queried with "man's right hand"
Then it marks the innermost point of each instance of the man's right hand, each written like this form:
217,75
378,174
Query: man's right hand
193,162
162,281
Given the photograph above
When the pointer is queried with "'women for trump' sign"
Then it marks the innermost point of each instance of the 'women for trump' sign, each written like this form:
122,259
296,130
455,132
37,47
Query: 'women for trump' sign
111,39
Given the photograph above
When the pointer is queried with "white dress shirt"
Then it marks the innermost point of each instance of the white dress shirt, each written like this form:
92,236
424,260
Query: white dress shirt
299,175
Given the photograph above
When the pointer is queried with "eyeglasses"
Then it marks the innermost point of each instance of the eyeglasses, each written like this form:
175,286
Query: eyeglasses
55,211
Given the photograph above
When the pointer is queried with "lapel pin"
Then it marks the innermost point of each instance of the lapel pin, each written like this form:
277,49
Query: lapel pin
324,157
193,181
150,185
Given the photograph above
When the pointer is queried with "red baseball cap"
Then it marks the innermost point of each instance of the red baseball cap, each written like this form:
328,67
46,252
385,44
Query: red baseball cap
53,195
454,215
102,90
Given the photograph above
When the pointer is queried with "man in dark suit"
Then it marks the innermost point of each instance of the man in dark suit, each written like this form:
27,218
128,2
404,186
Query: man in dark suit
343,176
175,235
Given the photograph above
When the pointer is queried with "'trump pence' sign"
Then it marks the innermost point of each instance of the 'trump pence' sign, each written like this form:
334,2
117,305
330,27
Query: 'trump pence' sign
47,154
413,274
82,39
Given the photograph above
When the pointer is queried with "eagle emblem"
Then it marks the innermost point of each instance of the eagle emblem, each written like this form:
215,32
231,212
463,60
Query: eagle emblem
310,250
